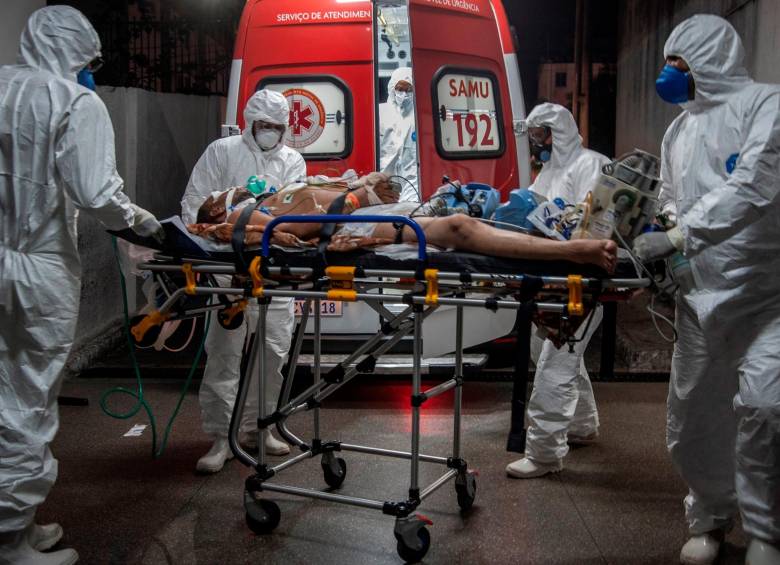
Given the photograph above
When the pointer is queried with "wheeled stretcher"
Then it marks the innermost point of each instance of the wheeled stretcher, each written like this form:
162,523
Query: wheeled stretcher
422,284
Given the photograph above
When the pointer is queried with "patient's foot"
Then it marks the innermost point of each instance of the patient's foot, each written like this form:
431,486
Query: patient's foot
601,252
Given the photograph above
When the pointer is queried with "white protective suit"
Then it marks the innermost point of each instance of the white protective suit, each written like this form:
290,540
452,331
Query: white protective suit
229,162
398,139
725,379
562,399
56,157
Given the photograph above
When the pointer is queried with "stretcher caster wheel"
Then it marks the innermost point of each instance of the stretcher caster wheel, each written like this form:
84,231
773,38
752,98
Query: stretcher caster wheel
334,469
415,553
262,516
230,322
151,335
466,488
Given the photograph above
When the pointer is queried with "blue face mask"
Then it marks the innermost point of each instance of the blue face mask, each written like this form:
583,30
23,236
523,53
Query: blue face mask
672,85
86,79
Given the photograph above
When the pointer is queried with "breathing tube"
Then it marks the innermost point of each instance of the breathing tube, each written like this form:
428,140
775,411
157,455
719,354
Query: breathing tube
657,291
138,394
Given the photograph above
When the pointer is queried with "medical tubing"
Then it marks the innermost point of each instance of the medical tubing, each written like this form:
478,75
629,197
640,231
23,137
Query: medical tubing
139,393
345,219
187,342
410,183
653,314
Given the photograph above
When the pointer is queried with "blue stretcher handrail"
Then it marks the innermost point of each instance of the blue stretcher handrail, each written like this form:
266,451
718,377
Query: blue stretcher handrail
346,219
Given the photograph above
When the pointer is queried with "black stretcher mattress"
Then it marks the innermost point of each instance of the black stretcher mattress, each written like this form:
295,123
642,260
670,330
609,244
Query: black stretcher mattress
457,261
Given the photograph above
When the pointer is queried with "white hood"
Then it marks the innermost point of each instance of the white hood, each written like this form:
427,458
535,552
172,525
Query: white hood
566,142
58,39
714,52
269,106
401,73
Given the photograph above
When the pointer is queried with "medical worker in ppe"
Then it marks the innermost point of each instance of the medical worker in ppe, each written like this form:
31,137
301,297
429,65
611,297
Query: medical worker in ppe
721,181
227,162
562,408
398,134
56,158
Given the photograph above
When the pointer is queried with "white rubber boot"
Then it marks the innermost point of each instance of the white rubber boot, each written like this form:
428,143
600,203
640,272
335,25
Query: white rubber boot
702,549
15,549
43,537
526,468
215,459
275,446
762,553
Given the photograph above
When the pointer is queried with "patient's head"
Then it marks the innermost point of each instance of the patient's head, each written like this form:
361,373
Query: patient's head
379,189
218,205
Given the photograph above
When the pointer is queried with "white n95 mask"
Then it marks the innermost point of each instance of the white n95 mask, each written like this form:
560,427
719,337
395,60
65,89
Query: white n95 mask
268,139
403,99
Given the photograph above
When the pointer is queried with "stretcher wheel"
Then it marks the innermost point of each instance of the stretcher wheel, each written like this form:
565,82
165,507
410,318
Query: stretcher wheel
151,335
334,479
410,555
466,488
262,516
229,323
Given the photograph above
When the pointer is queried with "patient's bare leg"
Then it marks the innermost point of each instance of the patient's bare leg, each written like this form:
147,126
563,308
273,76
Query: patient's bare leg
468,234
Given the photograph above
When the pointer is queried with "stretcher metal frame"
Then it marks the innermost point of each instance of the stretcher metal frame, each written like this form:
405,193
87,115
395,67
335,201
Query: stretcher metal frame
426,289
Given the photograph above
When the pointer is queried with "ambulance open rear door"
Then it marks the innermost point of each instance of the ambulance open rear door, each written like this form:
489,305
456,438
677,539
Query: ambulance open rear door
464,116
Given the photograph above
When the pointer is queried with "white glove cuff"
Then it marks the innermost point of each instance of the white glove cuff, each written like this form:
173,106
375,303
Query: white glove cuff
677,238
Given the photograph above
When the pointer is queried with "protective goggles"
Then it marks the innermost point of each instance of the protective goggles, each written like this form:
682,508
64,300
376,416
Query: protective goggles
539,135
95,64
261,125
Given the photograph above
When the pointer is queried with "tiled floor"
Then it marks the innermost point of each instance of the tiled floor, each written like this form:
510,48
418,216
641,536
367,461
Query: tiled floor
618,501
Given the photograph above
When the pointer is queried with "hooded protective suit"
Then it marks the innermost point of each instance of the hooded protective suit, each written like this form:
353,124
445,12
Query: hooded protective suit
572,170
562,399
725,380
398,138
229,162
56,157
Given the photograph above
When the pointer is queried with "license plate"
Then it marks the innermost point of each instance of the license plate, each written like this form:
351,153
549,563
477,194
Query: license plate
327,308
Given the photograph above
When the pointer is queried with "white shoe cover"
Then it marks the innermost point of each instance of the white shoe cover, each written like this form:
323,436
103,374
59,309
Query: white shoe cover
762,553
527,469
275,446
45,536
15,549
702,549
215,459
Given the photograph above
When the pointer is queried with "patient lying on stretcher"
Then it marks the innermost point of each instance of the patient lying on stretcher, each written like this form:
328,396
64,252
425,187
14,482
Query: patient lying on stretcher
458,232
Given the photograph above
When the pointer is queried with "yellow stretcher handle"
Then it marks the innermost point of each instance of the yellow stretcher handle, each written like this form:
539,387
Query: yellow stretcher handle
150,320
257,278
189,276
342,283
342,294
576,307
432,287
340,273
229,313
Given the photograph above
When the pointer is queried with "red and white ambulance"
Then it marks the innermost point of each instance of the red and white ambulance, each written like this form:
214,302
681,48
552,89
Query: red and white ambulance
332,60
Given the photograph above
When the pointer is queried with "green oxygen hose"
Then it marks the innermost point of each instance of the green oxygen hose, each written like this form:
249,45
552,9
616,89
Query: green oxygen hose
138,394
